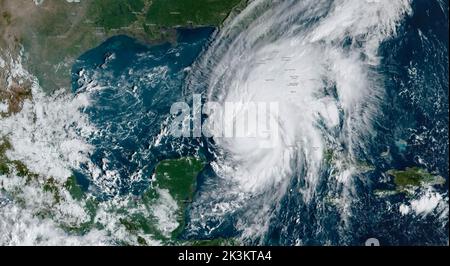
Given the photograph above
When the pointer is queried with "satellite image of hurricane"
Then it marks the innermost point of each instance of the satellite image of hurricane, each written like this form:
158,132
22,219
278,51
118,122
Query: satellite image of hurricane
224,122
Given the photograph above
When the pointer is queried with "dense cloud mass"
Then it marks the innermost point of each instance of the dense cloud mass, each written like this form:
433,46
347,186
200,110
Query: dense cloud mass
320,61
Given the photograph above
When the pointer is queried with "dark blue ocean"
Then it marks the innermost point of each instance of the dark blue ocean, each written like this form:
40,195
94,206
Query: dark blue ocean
413,128
139,83
134,86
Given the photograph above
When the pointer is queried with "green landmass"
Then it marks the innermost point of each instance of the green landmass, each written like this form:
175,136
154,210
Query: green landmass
90,206
409,180
328,155
56,32
179,177
4,161
48,185
113,14
7,165
413,177
74,188
331,155
171,13
51,36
